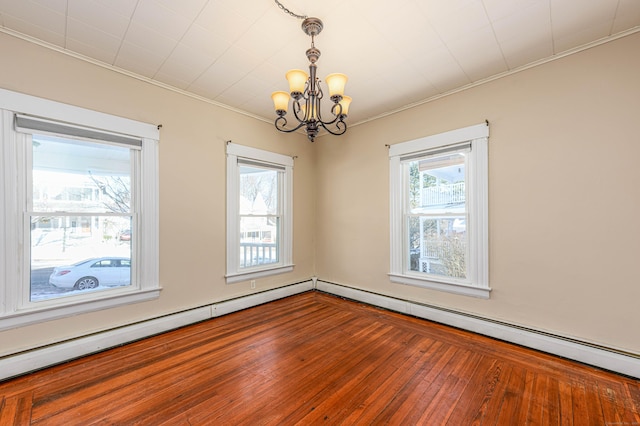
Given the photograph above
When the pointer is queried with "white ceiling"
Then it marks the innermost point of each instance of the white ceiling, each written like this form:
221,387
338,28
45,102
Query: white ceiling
396,53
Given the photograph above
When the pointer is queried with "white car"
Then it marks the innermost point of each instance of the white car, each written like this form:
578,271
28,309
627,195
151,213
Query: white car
90,273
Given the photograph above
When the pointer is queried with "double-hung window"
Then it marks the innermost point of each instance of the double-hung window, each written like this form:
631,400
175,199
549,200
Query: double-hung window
439,211
259,213
79,216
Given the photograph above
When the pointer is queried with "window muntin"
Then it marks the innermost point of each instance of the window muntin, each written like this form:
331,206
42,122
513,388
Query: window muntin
259,213
439,212
81,202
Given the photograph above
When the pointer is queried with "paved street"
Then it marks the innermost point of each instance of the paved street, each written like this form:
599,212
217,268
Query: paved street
40,287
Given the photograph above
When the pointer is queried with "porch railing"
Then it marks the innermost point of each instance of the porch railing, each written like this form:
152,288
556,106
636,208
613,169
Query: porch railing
443,194
442,249
254,254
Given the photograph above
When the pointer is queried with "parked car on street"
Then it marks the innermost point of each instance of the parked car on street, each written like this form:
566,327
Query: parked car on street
91,273
125,235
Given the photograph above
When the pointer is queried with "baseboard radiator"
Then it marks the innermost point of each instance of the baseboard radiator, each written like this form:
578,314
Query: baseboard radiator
584,352
34,359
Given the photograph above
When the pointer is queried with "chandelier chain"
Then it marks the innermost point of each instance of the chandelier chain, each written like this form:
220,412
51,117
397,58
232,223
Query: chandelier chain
287,11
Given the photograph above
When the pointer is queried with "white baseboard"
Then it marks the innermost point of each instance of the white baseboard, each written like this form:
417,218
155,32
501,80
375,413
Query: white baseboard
556,345
35,359
228,306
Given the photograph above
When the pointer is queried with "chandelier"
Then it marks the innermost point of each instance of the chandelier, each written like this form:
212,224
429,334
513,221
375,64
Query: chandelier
307,94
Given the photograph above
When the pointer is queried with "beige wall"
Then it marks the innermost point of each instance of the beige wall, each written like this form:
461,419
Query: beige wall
564,234
563,204
192,184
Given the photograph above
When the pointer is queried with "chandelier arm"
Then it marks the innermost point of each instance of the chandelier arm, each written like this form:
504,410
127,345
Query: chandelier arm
341,127
320,92
338,118
318,97
333,108
297,109
312,107
281,122
309,96
329,123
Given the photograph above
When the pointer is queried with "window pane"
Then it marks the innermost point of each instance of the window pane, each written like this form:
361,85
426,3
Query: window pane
437,183
80,176
91,183
258,191
442,250
259,240
61,250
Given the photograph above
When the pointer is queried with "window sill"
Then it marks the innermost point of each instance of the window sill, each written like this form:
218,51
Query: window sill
252,275
36,315
466,290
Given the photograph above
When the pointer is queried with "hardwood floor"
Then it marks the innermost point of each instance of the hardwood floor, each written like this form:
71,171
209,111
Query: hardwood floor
317,359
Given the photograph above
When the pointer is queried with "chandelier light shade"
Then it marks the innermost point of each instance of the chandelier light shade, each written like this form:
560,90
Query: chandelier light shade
281,100
306,95
336,83
344,103
297,79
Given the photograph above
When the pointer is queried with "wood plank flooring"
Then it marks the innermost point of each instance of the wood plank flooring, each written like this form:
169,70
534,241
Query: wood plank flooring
317,359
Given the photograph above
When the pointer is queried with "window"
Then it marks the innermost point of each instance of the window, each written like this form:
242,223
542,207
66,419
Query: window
80,231
259,213
439,215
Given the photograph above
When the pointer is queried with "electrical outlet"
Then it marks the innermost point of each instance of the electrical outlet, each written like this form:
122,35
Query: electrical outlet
253,283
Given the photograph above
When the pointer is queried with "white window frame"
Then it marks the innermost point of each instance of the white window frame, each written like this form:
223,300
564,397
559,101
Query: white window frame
285,255
15,310
477,282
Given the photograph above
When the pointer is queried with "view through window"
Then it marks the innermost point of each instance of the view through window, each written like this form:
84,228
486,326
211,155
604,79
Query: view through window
259,214
80,216
437,215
